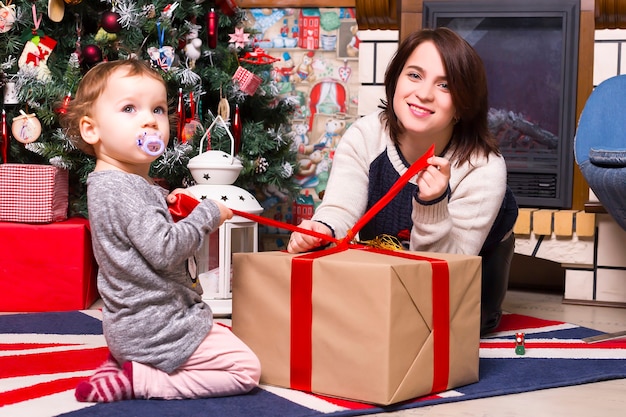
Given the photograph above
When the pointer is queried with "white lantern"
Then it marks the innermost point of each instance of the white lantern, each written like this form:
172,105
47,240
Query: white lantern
214,173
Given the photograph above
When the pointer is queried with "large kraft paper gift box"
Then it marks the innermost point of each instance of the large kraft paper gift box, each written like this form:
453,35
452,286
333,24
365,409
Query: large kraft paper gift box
33,193
362,324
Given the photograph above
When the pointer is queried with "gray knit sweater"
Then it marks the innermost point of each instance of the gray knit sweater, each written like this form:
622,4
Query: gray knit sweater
153,313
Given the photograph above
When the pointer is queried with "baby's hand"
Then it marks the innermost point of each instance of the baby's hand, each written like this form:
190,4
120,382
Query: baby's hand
225,212
171,197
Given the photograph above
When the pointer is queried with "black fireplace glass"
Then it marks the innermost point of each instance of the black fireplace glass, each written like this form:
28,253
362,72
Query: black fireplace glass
530,52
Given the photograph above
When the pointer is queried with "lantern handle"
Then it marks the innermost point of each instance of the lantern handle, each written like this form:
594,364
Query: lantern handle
217,119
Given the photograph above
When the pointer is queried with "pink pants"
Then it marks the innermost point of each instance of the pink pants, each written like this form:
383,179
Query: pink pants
222,365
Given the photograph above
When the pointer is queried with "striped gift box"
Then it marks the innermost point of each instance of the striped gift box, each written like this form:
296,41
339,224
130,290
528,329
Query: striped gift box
33,193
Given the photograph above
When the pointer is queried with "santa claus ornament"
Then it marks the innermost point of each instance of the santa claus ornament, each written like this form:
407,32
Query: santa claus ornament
37,50
36,53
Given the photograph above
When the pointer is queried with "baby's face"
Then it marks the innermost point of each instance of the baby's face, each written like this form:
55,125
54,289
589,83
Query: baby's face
130,111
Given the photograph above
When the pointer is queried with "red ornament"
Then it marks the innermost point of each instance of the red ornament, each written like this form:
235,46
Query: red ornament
211,24
91,54
5,137
110,22
62,109
180,114
229,7
237,128
192,123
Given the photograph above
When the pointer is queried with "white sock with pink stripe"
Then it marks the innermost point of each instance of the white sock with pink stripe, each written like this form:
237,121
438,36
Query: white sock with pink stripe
109,383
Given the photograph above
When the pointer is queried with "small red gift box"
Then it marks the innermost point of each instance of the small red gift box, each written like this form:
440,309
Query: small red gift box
248,81
33,193
47,267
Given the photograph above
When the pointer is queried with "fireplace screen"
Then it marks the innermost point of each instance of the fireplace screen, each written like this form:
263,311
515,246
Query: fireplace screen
530,52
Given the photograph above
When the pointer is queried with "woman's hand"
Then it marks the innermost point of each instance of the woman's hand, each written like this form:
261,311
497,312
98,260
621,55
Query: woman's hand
300,242
433,181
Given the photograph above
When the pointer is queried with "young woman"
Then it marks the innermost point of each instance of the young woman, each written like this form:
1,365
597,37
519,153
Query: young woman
436,93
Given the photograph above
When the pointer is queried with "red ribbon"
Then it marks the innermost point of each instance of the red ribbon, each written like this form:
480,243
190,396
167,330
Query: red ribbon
301,364
182,206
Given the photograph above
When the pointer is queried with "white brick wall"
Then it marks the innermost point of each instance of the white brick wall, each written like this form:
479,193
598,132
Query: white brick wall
609,54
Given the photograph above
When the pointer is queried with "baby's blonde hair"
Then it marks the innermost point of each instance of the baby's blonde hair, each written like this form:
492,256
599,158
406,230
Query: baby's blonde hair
91,87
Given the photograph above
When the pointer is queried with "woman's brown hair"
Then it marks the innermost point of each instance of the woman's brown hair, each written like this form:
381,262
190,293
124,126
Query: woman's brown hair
467,82
90,88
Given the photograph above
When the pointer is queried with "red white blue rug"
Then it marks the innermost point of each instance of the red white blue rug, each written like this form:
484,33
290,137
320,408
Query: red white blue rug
44,355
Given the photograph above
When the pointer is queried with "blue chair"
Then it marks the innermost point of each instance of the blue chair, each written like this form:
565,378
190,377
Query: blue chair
600,145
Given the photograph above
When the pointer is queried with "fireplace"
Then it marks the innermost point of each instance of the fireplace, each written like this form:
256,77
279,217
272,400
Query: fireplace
530,52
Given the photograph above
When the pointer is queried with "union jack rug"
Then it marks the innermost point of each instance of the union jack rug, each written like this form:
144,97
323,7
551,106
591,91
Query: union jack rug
44,355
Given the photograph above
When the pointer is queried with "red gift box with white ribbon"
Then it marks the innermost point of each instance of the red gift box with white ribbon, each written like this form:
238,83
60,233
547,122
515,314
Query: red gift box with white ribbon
364,324
33,193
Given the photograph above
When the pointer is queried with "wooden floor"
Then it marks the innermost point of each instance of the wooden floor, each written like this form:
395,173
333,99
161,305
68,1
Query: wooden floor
606,399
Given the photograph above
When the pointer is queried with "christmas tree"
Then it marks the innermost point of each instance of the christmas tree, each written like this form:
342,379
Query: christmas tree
204,52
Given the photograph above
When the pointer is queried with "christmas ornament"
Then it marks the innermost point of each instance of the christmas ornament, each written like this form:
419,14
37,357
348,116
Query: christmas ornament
192,124
102,36
37,49
261,165
237,129
248,81
26,128
91,54
130,13
56,10
164,56
258,57
223,107
180,115
168,11
110,21
228,7
193,47
5,137
7,17
211,24
36,53
10,93
62,109
239,38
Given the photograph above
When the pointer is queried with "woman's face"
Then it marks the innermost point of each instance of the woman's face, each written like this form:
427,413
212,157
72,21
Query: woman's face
422,101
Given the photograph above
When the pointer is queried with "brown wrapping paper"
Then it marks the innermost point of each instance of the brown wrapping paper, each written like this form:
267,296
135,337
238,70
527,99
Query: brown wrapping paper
372,321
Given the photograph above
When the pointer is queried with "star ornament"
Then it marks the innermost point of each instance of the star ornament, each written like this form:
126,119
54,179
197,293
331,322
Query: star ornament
239,38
